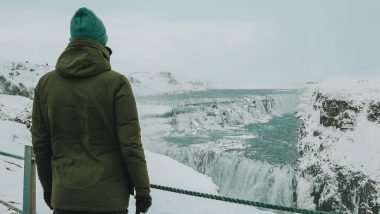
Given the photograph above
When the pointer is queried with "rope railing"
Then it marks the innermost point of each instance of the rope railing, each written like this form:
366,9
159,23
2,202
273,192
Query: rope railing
11,207
11,155
154,186
237,201
6,204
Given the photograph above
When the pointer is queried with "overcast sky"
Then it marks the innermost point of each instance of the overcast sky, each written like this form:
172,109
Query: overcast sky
237,42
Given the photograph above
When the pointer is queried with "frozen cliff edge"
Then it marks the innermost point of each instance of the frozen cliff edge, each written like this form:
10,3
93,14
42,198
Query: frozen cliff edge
339,168
19,78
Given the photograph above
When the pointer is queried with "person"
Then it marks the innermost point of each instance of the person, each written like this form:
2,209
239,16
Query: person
85,129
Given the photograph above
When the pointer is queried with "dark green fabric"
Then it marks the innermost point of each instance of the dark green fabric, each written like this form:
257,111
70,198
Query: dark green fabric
86,24
57,211
86,133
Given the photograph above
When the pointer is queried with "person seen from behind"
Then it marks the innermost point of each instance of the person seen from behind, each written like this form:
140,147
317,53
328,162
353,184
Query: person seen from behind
85,129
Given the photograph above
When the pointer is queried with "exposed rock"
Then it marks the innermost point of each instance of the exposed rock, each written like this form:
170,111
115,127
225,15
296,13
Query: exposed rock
374,112
7,87
339,114
268,103
332,120
346,192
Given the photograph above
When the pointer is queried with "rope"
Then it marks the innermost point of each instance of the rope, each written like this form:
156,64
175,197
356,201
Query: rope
10,207
202,195
11,155
237,201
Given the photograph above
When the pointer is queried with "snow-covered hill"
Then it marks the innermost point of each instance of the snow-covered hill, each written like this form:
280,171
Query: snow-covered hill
19,78
339,168
145,83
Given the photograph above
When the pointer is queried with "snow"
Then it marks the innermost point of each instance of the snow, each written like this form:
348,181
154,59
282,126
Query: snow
149,83
23,72
152,110
163,170
358,149
355,149
354,88
11,182
13,137
143,83
16,108
304,188
221,145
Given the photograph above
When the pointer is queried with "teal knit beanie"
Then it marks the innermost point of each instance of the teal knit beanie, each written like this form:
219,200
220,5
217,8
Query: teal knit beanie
86,24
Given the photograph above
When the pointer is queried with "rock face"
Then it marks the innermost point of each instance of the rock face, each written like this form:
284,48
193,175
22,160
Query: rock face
374,112
340,147
339,114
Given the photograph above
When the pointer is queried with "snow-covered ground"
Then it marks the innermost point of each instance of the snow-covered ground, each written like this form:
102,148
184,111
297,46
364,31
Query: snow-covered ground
359,148
163,170
340,144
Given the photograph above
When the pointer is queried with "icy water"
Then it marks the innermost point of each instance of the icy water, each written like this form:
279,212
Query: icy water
276,140
271,141
245,140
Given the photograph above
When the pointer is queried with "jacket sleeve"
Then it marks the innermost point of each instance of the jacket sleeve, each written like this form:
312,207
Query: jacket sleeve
129,138
41,144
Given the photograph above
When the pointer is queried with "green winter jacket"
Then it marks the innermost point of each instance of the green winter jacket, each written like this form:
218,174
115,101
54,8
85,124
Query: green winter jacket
86,133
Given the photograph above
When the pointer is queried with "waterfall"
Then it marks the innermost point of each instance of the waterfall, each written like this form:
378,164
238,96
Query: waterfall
236,175
240,177
219,114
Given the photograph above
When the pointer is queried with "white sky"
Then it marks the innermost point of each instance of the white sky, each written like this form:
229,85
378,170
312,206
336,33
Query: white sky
236,42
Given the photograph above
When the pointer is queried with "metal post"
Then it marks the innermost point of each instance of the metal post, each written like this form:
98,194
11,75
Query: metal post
29,195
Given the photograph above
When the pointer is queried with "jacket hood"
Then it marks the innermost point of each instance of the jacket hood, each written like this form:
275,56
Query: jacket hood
83,57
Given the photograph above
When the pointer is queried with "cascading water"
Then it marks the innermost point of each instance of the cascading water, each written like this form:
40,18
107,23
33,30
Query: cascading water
243,139
241,177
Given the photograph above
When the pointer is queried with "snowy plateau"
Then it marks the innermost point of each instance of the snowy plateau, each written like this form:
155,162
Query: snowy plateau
337,167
